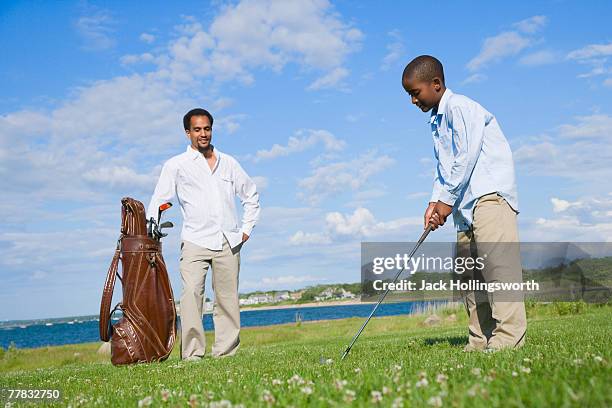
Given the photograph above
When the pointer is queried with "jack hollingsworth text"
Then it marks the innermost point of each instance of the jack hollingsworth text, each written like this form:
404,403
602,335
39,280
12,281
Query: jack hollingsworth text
406,285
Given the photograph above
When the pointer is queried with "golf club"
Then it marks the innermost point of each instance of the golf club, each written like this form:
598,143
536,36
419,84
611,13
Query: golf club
416,247
162,208
159,232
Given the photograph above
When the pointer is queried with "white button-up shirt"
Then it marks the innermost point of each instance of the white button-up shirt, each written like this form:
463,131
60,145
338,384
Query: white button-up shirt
474,157
207,198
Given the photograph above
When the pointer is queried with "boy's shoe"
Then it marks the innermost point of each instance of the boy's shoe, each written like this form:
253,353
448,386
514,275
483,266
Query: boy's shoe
193,358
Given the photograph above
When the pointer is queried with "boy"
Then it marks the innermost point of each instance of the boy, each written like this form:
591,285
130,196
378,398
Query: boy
474,180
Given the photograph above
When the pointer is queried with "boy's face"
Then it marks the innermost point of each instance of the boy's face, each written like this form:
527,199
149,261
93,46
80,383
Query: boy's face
424,94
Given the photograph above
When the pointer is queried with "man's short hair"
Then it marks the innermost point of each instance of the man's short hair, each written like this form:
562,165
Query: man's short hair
196,112
424,68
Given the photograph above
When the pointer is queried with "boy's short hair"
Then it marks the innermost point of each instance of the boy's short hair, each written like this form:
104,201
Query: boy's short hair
424,68
196,112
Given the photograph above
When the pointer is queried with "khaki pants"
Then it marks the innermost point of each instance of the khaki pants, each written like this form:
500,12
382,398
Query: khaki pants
495,320
194,264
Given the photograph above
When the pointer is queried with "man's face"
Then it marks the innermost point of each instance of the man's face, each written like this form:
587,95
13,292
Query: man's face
424,94
200,132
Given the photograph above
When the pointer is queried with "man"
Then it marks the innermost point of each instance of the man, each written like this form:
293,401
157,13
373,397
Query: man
206,183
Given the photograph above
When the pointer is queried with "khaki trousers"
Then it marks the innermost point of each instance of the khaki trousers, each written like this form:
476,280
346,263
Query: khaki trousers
194,264
495,320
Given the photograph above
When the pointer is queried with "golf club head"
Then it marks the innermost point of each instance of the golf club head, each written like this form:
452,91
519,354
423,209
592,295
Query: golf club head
161,209
167,224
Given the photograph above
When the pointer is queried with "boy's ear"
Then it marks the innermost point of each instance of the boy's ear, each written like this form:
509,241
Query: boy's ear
437,83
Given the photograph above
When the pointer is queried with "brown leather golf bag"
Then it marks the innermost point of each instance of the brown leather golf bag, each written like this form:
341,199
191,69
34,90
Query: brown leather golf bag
147,330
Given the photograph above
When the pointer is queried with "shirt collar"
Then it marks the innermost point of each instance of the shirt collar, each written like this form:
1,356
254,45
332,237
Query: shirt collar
441,105
194,154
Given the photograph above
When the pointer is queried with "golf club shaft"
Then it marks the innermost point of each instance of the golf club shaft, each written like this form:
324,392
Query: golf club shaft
416,247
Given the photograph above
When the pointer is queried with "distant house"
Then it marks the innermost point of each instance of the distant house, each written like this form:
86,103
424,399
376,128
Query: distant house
261,298
282,295
297,295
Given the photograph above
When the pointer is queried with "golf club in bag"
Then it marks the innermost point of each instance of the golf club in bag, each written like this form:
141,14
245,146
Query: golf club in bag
416,247
147,330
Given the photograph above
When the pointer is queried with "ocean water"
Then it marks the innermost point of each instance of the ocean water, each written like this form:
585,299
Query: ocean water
54,332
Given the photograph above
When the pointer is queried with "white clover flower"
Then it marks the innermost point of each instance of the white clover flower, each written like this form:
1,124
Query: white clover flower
165,394
598,359
435,401
349,396
306,390
441,378
527,360
220,404
386,390
329,361
376,397
526,370
514,374
357,370
145,402
339,384
476,371
422,383
267,397
398,403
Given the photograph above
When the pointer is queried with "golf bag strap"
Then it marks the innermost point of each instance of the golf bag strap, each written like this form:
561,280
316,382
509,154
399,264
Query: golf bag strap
107,297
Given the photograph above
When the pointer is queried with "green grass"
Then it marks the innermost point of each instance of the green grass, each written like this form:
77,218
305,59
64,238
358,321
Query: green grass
566,362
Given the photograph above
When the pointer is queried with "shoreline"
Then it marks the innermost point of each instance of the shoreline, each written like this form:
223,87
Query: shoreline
309,304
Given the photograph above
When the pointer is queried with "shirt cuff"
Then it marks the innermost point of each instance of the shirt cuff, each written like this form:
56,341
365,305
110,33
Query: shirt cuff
247,229
447,198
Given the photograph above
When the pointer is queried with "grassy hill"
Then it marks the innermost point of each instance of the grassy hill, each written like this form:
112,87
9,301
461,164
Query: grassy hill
399,361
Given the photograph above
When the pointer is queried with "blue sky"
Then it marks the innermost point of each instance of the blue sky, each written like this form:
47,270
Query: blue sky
307,96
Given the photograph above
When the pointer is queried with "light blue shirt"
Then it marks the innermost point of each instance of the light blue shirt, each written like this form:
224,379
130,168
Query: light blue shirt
474,157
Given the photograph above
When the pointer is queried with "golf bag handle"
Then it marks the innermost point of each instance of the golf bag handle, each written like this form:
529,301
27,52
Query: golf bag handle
107,296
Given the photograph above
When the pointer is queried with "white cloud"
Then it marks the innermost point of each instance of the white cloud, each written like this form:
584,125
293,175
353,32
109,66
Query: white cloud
122,176
289,280
595,56
361,224
586,220
261,182
591,51
608,82
314,238
148,38
509,44
304,139
496,48
474,79
96,29
537,58
532,24
395,50
418,195
264,34
342,176
576,152
330,80
597,125
562,205
133,59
